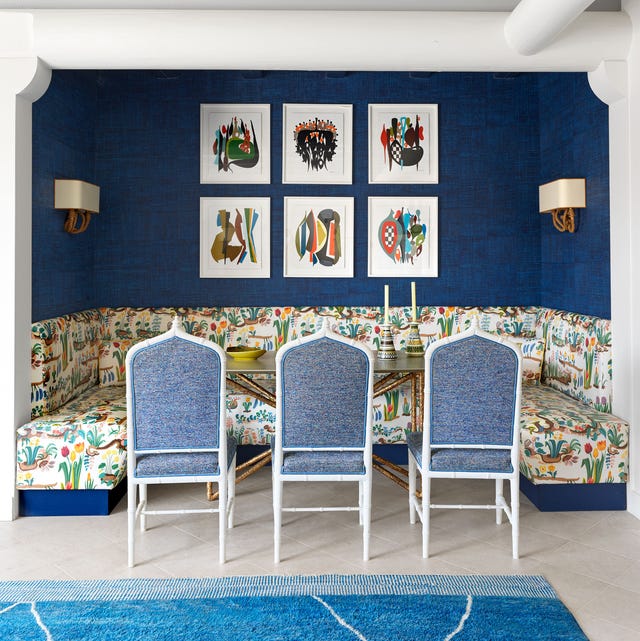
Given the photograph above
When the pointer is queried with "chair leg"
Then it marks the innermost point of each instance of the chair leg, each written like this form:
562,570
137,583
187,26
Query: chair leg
231,480
515,514
222,518
277,515
426,510
142,488
360,502
499,495
366,516
412,489
131,521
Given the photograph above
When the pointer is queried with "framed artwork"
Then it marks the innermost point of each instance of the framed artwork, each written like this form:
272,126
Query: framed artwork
403,143
403,236
234,144
235,237
317,143
318,237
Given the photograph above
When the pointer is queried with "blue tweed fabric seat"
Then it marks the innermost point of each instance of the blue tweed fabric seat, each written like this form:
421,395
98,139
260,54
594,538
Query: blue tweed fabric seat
471,423
324,401
461,459
193,464
176,419
323,463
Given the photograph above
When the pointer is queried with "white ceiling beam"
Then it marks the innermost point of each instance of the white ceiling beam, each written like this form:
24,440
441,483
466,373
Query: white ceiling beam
534,24
301,40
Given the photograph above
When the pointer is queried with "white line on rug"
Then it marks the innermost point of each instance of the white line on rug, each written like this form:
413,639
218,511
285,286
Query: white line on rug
36,616
339,619
465,616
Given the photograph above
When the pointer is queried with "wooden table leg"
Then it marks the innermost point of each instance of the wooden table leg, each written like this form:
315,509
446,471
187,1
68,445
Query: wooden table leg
247,469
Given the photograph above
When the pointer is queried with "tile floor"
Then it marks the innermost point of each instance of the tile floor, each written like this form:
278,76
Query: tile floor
592,559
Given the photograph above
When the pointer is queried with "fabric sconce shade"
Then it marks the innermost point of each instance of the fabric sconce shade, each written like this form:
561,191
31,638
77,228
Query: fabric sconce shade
559,198
80,198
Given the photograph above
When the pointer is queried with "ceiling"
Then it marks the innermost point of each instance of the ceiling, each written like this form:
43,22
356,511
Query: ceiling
294,5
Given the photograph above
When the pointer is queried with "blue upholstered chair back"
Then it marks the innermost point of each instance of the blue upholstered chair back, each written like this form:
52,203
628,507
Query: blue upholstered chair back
473,388
324,385
176,396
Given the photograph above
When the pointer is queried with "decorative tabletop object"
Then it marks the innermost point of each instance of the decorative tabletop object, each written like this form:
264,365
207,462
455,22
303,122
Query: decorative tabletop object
414,346
387,349
245,353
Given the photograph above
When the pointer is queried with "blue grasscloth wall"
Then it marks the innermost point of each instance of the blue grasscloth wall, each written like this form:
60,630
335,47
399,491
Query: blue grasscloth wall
574,143
63,147
142,146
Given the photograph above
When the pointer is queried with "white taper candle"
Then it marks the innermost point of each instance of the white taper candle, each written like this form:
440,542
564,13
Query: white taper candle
413,302
386,304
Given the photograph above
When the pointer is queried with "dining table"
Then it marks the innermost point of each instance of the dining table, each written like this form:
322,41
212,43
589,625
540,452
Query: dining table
256,377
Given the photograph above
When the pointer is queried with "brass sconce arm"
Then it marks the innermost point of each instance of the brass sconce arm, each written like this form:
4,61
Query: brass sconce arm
72,219
564,219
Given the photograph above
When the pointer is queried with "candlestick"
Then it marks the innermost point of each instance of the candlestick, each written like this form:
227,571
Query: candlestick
413,301
386,304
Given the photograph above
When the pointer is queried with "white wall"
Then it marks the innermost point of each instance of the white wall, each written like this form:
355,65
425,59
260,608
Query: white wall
21,81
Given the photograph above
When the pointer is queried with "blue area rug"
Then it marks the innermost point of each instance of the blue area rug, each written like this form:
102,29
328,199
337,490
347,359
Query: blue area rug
288,608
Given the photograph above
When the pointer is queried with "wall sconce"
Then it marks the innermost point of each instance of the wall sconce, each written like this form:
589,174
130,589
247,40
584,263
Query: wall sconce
81,199
560,197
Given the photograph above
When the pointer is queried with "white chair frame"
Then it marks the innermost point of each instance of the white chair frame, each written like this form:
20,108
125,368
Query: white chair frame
364,480
225,478
422,506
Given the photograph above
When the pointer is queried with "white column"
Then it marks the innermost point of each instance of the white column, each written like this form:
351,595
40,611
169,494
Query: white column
22,80
624,142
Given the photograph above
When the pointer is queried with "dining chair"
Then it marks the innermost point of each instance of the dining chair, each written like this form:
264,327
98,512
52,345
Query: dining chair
176,422
471,424
323,431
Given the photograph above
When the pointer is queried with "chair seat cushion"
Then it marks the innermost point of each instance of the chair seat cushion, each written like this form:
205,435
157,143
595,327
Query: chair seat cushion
461,460
322,462
194,464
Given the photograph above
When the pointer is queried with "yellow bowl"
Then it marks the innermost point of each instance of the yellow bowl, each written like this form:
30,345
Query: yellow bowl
245,353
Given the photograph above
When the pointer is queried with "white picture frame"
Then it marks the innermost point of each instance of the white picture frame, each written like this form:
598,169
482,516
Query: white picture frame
396,252
245,252
235,143
326,223
400,151
317,143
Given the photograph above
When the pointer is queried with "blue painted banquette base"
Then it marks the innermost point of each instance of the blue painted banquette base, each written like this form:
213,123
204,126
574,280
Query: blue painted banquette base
551,497
70,502
546,497
572,497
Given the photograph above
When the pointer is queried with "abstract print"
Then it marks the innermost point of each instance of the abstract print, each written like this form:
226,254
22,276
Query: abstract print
402,235
235,242
401,142
235,144
316,142
318,238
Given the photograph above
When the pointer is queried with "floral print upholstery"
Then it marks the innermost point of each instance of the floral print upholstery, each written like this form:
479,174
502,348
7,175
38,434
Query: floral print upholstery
565,441
568,435
578,356
64,359
82,445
